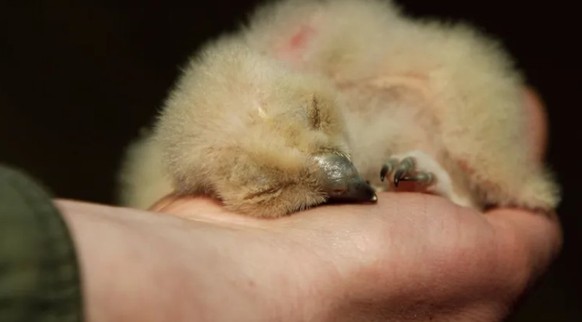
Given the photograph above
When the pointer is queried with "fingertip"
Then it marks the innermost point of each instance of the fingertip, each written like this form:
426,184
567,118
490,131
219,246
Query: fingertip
163,203
537,235
537,122
183,206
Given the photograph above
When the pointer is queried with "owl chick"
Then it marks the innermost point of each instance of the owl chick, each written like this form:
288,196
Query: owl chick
332,100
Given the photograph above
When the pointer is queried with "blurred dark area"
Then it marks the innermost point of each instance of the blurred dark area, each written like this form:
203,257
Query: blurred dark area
79,79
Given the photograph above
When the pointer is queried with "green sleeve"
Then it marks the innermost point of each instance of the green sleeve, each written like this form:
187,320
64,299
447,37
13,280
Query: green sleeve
39,276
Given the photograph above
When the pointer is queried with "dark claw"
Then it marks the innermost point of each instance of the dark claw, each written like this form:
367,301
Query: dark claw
387,168
421,178
400,175
384,172
424,178
403,170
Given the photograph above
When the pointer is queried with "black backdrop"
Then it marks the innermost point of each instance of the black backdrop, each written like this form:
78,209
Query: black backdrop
78,80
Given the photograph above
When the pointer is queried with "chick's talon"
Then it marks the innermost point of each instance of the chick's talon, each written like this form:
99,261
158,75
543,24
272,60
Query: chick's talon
421,178
406,170
388,168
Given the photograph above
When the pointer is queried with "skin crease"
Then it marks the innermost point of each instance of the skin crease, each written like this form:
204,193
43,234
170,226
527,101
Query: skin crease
409,257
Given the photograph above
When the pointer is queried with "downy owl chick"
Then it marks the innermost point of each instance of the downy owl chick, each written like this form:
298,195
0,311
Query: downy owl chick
320,100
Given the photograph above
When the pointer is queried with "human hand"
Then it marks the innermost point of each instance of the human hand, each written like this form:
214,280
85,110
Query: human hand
411,256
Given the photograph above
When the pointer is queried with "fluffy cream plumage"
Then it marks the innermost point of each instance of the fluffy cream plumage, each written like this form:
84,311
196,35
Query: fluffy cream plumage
355,78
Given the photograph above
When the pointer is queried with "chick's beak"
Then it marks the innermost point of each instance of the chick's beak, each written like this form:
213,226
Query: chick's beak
357,190
342,182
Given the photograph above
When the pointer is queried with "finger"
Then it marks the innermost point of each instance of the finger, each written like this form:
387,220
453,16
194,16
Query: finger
185,206
164,203
530,241
537,129
202,209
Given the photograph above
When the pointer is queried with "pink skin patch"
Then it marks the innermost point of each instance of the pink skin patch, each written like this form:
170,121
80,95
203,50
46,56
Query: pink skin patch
293,49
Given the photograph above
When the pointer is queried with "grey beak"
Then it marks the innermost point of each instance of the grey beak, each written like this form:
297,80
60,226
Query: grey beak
358,191
342,182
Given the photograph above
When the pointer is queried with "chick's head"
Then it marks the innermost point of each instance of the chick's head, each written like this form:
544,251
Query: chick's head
293,154
264,139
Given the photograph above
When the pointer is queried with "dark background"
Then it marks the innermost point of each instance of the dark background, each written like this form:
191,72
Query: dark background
78,80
